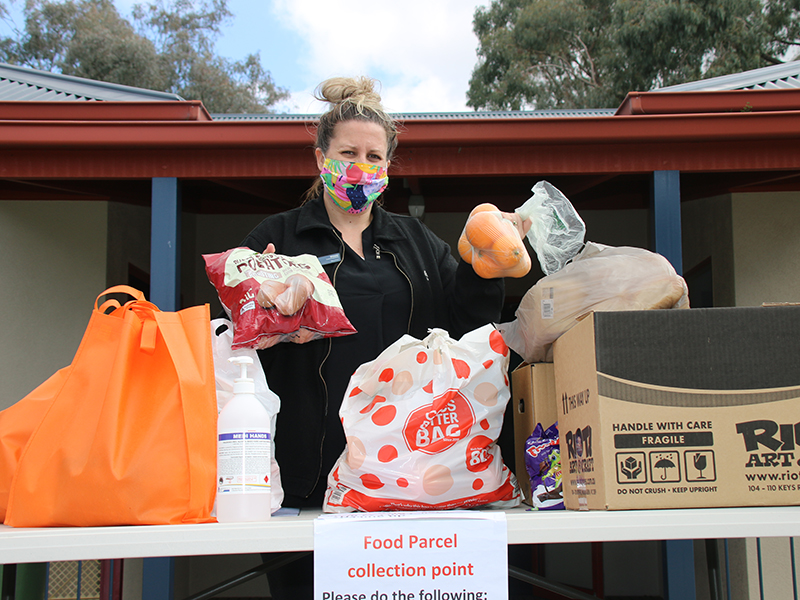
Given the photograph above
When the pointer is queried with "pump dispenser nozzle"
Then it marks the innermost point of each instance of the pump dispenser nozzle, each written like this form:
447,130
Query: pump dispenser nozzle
244,384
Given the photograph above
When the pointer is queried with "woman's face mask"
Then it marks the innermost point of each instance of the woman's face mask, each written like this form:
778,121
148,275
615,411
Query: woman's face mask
353,186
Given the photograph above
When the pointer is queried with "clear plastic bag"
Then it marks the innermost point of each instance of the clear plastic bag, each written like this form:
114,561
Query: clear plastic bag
557,230
224,374
599,278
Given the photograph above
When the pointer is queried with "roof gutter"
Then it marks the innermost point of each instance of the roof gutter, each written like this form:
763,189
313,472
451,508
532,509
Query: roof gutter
706,127
730,101
91,111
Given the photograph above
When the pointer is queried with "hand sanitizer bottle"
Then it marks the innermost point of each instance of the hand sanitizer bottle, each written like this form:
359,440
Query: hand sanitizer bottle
243,454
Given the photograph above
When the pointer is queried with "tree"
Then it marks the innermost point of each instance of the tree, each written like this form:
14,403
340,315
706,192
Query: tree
591,53
170,48
181,36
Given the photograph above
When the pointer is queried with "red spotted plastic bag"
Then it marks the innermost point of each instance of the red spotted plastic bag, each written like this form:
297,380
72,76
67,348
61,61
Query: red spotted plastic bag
271,298
421,422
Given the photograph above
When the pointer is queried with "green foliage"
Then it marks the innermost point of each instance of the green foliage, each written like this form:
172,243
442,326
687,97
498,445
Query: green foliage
591,53
170,47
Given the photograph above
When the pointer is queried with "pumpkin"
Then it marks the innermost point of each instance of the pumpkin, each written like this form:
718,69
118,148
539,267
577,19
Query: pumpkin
492,244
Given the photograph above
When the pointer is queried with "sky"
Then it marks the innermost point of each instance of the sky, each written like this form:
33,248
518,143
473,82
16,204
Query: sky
421,51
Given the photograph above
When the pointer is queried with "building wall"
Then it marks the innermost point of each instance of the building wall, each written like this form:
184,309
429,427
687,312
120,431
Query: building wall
128,243
767,247
53,268
708,243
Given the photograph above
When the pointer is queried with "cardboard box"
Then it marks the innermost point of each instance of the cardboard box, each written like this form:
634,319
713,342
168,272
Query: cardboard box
533,396
680,408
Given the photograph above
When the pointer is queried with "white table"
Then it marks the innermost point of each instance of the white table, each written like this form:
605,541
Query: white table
296,533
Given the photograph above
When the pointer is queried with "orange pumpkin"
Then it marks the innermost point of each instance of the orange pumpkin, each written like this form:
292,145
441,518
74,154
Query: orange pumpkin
492,245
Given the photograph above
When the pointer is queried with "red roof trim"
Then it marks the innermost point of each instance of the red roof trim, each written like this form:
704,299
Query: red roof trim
139,140
272,134
104,111
700,102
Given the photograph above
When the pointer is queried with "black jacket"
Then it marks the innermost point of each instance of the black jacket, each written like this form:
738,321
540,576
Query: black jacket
445,293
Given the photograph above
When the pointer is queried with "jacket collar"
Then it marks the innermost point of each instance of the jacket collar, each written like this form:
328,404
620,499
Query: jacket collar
314,216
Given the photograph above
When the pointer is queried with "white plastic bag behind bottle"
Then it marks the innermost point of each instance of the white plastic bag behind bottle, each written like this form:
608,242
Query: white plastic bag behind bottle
244,450
225,373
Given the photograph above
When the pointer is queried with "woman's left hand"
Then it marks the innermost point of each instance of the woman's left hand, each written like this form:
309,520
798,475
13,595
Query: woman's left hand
522,226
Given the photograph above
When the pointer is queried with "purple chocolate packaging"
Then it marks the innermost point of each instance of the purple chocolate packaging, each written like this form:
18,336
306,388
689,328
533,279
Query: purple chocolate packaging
543,463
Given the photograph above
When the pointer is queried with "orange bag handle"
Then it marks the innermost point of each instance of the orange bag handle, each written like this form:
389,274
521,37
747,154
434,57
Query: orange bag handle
123,289
144,310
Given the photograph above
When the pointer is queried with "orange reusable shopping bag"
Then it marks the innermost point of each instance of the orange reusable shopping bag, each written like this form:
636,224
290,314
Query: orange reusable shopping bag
125,435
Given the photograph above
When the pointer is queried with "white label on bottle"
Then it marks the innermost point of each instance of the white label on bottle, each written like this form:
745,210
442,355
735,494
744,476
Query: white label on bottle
243,462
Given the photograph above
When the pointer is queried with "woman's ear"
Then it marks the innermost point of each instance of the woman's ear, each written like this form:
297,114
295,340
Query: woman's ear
320,158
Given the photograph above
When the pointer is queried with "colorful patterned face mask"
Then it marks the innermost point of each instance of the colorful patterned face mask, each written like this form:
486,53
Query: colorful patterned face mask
353,186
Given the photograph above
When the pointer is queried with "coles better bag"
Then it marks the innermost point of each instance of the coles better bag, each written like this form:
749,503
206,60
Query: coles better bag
126,434
421,422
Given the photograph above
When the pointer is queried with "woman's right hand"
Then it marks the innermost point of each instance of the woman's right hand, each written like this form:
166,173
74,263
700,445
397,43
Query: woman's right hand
286,297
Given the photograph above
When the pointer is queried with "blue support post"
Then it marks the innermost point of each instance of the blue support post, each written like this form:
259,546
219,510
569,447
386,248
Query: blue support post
665,211
678,558
165,243
158,578
665,221
165,251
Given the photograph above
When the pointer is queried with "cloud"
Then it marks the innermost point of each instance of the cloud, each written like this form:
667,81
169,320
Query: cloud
422,52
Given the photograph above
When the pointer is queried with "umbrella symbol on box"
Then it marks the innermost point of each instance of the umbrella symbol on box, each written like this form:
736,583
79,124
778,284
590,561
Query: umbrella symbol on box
664,463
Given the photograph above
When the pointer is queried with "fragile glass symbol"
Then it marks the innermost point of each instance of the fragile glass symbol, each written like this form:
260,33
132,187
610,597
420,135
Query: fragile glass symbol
700,463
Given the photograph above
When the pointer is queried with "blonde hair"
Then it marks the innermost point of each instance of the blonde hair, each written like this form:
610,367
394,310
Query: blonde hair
350,99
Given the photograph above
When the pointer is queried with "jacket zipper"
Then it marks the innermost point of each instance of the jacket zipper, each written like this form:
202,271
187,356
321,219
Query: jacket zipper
319,369
408,279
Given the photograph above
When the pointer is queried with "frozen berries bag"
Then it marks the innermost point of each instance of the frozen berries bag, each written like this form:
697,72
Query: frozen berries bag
421,422
271,298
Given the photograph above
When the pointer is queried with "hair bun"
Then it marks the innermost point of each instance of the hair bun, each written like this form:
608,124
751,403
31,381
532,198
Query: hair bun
356,90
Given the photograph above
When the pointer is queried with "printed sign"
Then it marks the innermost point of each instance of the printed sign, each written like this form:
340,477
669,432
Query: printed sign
426,555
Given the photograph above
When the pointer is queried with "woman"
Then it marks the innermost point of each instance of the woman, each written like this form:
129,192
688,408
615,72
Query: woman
392,274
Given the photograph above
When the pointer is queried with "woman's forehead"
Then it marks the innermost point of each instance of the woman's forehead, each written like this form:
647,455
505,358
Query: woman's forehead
358,132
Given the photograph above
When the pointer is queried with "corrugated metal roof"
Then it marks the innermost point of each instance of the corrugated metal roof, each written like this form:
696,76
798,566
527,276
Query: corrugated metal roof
434,116
23,84
786,75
